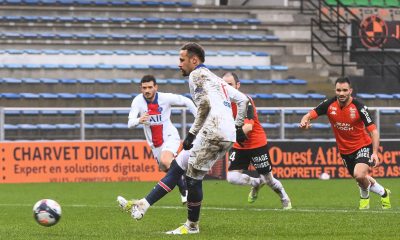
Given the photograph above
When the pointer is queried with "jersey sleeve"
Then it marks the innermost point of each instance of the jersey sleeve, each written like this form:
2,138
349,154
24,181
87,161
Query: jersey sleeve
133,119
201,98
180,100
322,108
365,115
250,112
241,101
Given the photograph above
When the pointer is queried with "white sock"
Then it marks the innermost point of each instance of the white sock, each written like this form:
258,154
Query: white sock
145,205
191,224
364,193
377,188
239,178
275,185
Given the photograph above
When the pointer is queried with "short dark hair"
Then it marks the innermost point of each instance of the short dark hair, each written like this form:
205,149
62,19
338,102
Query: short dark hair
343,79
194,49
148,78
234,75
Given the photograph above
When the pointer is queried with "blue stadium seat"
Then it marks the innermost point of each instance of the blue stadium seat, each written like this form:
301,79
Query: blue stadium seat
104,112
388,112
103,81
366,96
297,81
86,95
67,95
12,112
263,81
30,112
86,81
104,95
68,81
282,95
316,96
246,68
44,126
11,80
48,80
124,81
48,95
279,68
140,67
33,66
299,96
27,126
263,68
267,112
398,125
253,21
384,96
10,127
89,126
102,125
122,96
11,95
49,112
64,126
123,66
122,112
104,66
68,112
119,125
270,125
247,82
30,95
396,95
265,96
321,125
176,81
281,82
68,66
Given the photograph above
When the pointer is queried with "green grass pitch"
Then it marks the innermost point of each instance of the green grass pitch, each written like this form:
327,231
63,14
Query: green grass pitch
322,210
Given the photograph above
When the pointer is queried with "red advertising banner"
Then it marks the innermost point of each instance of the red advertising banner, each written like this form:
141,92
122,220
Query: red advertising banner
77,162
310,159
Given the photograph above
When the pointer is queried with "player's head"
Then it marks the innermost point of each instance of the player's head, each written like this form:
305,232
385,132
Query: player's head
232,79
190,56
148,86
343,89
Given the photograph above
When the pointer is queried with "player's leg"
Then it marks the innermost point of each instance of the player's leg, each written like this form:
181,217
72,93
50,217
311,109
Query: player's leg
381,191
239,161
203,156
360,175
168,154
262,163
139,207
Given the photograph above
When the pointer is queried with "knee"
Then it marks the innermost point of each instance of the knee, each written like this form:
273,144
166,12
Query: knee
360,177
193,183
232,177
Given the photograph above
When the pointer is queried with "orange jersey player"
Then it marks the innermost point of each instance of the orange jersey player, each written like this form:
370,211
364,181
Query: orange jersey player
254,150
356,136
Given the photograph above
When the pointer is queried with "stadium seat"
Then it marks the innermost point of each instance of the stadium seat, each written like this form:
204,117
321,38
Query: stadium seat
44,126
11,95
282,96
27,126
316,96
366,96
48,95
299,96
384,96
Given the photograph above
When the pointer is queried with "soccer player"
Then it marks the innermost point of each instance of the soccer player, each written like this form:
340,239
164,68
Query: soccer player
255,151
212,134
154,109
356,136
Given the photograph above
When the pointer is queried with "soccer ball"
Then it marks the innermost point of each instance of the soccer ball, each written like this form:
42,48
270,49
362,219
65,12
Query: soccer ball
324,176
47,212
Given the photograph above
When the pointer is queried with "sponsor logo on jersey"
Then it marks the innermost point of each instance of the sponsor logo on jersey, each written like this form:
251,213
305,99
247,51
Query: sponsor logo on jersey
352,112
155,119
365,113
343,126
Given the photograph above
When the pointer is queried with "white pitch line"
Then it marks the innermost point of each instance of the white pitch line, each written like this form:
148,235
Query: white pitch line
316,210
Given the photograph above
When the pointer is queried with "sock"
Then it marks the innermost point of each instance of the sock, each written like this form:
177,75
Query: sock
378,189
166,184
275,185
191,224
182,185
364,193
239,178
194,198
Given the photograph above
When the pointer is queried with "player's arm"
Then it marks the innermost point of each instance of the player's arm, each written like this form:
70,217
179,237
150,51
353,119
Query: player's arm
133,119
241,101
249,120
321,109
180,100
201,97
368,121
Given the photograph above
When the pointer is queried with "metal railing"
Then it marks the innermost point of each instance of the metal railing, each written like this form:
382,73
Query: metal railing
281,121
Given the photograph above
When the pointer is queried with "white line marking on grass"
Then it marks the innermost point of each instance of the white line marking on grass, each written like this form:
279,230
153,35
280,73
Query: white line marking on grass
315,210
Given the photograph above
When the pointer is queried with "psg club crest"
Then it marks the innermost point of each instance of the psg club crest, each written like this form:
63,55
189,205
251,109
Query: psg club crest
373,32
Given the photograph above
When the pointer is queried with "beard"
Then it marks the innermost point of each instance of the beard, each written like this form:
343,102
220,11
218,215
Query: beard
184,73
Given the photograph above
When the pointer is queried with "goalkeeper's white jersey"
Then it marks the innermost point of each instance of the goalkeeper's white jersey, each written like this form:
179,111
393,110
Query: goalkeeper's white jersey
159,127
211,92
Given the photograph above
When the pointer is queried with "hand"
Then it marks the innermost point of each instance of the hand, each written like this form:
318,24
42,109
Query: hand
305,123
144,118
187,143
374,160
240,136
